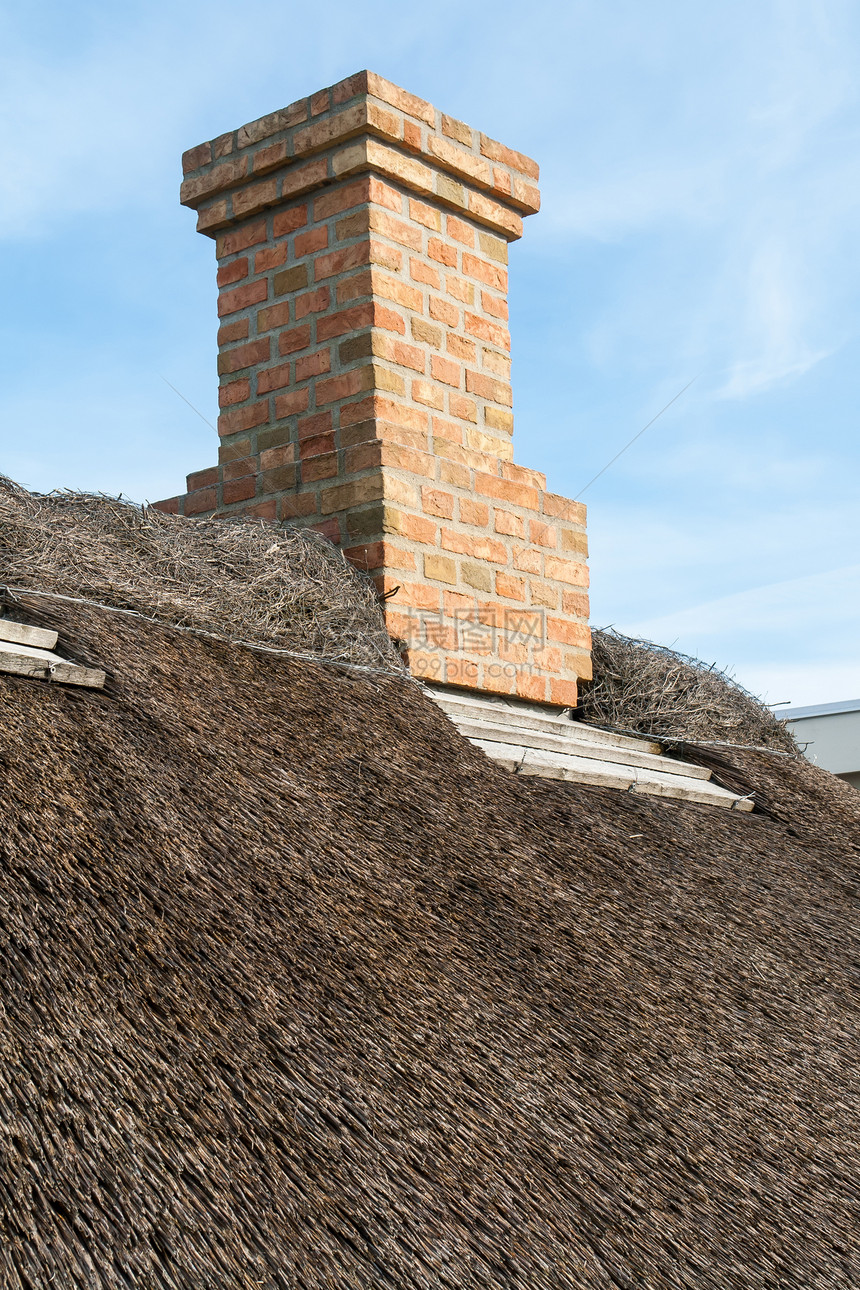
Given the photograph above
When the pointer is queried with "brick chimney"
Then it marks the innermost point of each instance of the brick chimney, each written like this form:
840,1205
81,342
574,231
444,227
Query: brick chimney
362,244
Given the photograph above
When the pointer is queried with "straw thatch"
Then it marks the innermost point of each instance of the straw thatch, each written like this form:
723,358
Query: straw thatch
248,580
299,990
640,686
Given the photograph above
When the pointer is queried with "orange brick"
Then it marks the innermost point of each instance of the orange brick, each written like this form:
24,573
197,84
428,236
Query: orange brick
459,543
232,272
545,594
461,347
450,431
459,231
287,405
412,135
494,305
563,692
444,311
542,534
289,342
323,466
474,512
493,275
573,540
273,378
498,364
516,160
400,292
271,258
513,525
316,445
426,332
256,351
488,331
549,659
234,392
238,490
451,473
532,687
461,671
252,293
570,571
308,243
575,603
423,214
283,455
563,508
342,199
313,365
284,222
236,330
341,387
461,407
396,230
241,238
460,289
442,252
526,559
511,588
487,387
422,272
436,502
430,395
274,316
444,370
336,262
487,548
312,302
568,633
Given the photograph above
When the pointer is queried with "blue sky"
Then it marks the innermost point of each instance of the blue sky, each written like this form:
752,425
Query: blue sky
700,214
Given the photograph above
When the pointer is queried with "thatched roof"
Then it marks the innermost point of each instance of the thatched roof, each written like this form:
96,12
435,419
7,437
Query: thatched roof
300,990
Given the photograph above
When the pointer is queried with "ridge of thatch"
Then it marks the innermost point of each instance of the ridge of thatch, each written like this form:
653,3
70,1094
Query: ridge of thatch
654,690
248,580
300,991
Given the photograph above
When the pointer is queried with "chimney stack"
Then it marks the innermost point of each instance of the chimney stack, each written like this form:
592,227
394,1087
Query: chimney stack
364,355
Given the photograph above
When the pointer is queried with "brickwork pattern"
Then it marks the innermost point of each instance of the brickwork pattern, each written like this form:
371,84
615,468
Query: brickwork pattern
364,360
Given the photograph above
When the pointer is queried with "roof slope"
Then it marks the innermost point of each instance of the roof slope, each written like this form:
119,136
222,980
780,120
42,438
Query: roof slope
299,990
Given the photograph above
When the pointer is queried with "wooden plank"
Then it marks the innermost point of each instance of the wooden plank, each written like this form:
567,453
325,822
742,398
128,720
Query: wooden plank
42,665
24,634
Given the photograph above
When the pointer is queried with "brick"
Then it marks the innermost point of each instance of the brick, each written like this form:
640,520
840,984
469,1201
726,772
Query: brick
477,576
460,289
240,469
265,126
460,231
169,505
493,247
526,559
223,145
487,387
316,445
297,506
476,513
202,479
507,491
532,687
499,419
313,365
234,392
444,311
233,360
273,378
232,272
194,158
442,252
236,330
426,333
509,587
573,540
234,450
254,197
412,136
429,395
312,302
252,293
289,405
512,525
563,692
461,347
442,369
203,499
283,455
288,221
239,239
544,593
458,130
300,179
494,305
350,257
498,364
344,496
405,355
564,509
575,603
322,467
238,490
245,418
263,510
400,292
421,272
441,568
542,534
269,158
273,316
485,271
293,279
395,229
341,387
486,330
449,431
516,160
316,239
548,658
435,501
212,216
429,216
411,526
567,632
452,473
487,548
570,571
290,342
463,408
458,543
270,258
